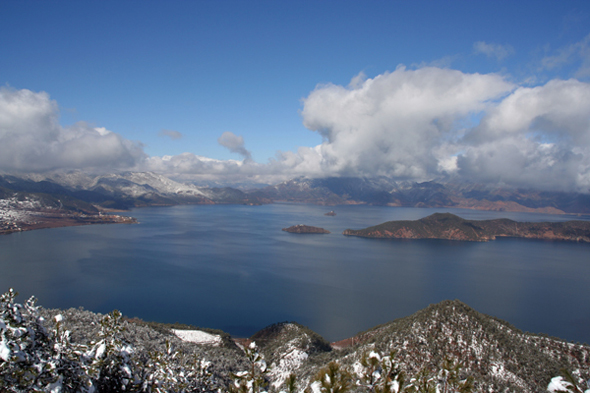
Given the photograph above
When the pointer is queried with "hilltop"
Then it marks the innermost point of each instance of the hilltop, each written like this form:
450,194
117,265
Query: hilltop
445,344
451,227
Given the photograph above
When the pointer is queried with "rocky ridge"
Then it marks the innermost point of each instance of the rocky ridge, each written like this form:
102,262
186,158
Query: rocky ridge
495,355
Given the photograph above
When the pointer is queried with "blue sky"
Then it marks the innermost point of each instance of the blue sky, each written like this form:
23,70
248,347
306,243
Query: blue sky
149,70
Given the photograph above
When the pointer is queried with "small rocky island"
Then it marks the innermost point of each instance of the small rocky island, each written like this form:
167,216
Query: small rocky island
451,227
305,229
330,213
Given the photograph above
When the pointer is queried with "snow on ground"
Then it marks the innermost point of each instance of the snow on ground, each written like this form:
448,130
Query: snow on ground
287,365
13,210
198,337
294,355
558,384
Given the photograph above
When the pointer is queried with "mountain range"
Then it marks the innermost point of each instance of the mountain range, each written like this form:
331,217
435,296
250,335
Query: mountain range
136,189
32,201
123,190
386,191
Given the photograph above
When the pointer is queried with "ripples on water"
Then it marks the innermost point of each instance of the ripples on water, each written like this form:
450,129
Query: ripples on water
232,268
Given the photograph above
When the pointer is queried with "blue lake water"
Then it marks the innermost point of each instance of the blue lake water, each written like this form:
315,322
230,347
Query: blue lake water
232,268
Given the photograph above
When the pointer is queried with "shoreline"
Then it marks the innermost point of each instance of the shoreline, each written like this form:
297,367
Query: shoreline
34,220
41,220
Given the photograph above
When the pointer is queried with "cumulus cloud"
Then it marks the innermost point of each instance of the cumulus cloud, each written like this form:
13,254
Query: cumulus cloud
426,124
396,124
419,124
536,137
235,144
497,51
170,134
31,138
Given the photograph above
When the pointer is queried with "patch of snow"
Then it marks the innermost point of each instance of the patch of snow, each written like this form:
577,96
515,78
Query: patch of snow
4,351
558,384
287,364
198,337
316,387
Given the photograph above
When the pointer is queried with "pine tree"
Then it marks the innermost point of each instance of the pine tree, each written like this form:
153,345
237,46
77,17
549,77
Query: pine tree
381,374
290,384
333,379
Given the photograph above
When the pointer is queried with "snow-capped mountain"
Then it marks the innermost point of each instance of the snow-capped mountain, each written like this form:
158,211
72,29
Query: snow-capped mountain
387,191
123,190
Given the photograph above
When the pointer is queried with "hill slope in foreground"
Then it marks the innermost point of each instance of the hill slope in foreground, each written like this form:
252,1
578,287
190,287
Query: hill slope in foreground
451,227
446,344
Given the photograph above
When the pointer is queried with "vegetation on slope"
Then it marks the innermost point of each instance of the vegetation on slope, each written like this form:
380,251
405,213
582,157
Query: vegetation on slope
451,227
447,347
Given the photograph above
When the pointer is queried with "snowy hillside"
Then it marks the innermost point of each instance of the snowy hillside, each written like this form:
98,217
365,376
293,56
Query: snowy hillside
445,347
124,190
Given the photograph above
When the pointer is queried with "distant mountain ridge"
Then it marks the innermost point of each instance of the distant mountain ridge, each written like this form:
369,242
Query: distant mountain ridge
388,192
136,189
124,190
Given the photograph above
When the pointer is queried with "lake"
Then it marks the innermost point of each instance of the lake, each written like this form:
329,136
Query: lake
232,268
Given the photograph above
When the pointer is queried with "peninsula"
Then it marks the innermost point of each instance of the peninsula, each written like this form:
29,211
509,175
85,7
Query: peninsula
451,227
305,229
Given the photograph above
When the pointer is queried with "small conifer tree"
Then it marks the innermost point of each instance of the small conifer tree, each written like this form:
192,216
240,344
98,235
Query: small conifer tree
254,379
381,374
334,379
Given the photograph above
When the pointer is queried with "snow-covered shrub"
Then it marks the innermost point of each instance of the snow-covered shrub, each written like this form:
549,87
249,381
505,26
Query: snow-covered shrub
451,380
25,347
290,384
568,384
381,374
332,379
254,379
173,372
36,359
31,358
111,366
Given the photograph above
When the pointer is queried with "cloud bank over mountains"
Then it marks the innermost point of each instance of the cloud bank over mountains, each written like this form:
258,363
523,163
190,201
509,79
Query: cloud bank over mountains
411,124
31,138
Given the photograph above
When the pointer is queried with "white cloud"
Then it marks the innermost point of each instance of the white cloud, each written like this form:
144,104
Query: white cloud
500,52
417,124
536,137
31,138
235,144
170,134
426,123
398,123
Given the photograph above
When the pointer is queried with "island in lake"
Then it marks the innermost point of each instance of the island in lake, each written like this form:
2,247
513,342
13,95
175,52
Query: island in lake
305,229
451,227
